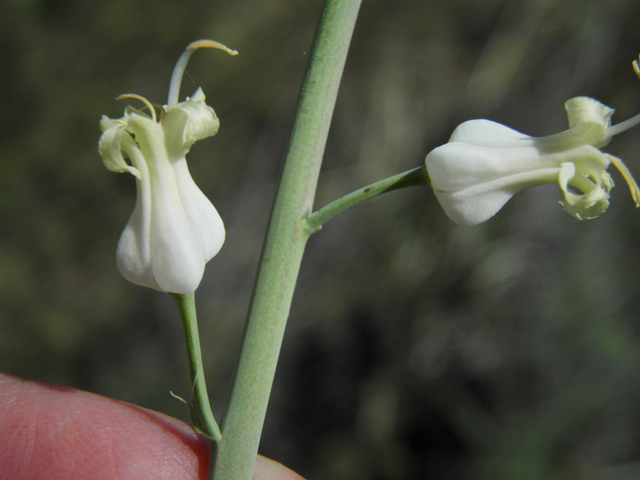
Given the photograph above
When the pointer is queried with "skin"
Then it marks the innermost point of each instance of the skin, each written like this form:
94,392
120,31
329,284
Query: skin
53,432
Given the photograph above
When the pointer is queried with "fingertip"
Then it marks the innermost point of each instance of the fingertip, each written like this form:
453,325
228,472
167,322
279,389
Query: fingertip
54,432
267,469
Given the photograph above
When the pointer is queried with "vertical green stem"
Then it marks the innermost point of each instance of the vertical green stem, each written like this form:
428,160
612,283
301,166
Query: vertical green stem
284,244
202,417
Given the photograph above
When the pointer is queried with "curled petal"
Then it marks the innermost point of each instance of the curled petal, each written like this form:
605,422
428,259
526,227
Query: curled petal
589,120
188,122
109,147
586,191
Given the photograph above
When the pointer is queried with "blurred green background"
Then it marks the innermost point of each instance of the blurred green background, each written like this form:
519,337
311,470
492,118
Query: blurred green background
416,349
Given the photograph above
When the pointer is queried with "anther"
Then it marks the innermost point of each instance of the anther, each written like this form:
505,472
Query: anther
146,102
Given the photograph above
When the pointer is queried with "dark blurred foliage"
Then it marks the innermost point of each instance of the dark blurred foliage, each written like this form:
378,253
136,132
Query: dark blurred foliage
416,349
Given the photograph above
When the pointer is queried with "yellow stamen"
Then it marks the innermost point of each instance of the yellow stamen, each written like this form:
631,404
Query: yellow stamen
163,111
210,44
633,186
143,100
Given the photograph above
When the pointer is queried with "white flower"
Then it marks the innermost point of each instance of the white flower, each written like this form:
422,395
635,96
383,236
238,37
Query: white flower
486,163
174,229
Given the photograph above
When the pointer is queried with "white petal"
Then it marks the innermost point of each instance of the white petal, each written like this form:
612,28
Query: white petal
204,219
453,166
176,255
133,254
489,134
158,248
478,203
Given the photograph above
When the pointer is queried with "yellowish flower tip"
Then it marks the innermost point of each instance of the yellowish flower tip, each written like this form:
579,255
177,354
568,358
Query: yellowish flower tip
636,67
146,102
626,174
210,44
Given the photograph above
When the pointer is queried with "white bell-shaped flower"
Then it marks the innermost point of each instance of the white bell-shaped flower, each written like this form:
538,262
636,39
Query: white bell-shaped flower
174,229
486,163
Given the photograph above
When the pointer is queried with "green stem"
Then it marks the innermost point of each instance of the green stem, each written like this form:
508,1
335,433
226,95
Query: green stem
202,417
417,176
284,244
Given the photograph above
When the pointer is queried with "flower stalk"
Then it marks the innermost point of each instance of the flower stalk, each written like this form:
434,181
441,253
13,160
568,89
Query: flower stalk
415,177
199,405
